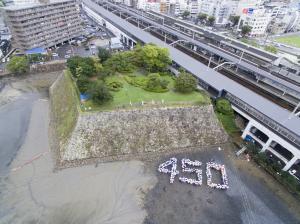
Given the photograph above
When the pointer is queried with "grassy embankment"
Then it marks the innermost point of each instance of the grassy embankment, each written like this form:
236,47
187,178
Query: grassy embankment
64,106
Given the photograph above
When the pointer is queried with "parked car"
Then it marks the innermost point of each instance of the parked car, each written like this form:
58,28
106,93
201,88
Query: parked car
67,56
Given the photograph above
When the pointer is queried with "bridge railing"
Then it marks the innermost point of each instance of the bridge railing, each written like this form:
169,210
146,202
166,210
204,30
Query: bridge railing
268,122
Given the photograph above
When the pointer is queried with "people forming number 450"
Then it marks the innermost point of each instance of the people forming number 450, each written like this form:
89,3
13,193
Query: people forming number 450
189,166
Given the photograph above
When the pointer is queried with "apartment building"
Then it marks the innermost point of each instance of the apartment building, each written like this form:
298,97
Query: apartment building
258,19
43,24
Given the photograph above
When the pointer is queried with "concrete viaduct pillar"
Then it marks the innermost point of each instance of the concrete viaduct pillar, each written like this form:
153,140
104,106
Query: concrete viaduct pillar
266,145
247,129
290,164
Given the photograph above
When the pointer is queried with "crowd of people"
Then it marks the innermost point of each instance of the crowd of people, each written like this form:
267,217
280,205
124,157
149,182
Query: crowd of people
220,168
196,163
173,172
189,166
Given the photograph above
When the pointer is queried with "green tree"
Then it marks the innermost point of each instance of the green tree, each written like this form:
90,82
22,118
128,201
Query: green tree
223,106
33,58
185,83
83,84
18,65
185,14
73,63
202,17
156,84
153,58
86,65
234,20
103,54
246,30
211,20
121,62
271,49
99,92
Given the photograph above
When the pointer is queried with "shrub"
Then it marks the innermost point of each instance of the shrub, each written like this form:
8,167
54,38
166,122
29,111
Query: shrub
185,83
83,84
103,54
114,85
223,106
156,84
18,65
99,92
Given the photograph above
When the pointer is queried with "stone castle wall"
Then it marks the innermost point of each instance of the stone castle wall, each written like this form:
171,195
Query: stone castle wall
142,132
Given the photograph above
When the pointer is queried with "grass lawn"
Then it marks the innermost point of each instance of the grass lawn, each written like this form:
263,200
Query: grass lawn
137,95
228,123
293,40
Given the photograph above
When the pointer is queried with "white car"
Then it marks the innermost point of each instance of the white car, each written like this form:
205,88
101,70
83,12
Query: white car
67,56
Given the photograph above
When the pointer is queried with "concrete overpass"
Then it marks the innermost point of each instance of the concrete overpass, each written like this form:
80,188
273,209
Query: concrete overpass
282,130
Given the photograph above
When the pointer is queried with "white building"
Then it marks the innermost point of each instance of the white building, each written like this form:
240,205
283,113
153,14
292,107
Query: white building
149,5
258,19
220,9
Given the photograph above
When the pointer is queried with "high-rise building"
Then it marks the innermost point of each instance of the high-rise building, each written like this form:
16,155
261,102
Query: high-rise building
43,24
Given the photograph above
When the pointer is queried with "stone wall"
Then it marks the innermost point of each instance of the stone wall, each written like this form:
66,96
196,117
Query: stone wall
141,132
52,66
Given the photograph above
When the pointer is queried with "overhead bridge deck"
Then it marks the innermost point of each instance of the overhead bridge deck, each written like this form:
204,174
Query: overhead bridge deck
271,115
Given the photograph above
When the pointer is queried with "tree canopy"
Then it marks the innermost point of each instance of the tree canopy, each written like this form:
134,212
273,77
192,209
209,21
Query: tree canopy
121,62
202,17
153,58
223,106
246,30
185,14
185,83
234,20
99,92
156,84
80,66
18,65
211,20
103,54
